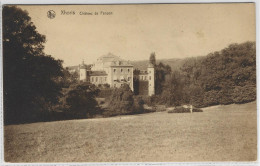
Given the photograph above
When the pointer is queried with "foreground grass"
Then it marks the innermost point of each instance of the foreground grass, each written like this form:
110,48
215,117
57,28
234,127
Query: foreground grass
220,133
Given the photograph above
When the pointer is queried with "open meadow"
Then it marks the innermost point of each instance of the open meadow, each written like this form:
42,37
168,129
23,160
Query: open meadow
220,133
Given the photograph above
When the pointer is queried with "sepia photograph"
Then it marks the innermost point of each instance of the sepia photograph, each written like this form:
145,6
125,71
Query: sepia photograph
129,83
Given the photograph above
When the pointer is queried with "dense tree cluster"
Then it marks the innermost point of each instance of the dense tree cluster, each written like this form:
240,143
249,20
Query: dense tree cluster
224,77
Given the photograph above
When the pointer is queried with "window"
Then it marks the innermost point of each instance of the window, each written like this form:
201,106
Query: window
142,78
114,70
121,70
92,79
150,78
105,78
96,79
128,70
145,77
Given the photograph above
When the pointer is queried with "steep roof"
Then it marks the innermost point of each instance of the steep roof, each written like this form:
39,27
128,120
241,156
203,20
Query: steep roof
98,73
84,66
109,58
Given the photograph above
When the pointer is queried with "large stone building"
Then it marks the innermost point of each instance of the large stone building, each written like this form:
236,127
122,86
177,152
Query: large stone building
114,71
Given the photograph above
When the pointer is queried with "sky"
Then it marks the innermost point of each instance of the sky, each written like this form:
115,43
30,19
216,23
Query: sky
133,32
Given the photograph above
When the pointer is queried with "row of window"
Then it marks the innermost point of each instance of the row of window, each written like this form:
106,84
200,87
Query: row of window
101,79
95,79
144,77
122,70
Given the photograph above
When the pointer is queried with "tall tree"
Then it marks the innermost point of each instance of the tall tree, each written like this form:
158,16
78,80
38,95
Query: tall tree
152,59
161,72
173,93
30,76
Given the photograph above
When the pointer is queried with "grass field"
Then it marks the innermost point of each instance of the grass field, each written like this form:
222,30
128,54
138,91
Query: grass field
220,133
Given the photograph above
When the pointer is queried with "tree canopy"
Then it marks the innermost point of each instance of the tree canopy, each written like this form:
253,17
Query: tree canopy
30,76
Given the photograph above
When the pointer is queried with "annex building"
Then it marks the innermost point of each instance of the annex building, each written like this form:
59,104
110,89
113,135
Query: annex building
113,71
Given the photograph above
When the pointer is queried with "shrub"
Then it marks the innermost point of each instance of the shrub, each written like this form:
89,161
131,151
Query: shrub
197,110
138,105
122,101
81,100
159,108
152,100
181,109
105,93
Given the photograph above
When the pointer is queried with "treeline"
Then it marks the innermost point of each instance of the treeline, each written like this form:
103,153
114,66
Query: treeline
223,77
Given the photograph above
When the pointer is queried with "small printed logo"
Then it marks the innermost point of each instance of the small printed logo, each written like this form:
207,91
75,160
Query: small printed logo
51,14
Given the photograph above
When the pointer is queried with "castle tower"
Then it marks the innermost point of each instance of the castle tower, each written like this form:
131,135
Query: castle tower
82,72
151,79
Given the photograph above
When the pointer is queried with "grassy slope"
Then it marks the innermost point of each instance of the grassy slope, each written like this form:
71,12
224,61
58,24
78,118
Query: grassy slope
220,133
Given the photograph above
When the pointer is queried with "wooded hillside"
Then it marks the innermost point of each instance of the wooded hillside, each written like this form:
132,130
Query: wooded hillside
223,77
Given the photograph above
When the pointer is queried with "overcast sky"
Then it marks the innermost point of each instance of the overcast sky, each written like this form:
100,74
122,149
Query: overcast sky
134,31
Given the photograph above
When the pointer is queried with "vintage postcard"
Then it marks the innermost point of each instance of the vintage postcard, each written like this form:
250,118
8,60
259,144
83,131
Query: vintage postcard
129,83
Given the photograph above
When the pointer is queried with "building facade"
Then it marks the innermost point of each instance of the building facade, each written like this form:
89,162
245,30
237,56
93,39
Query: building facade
113,71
